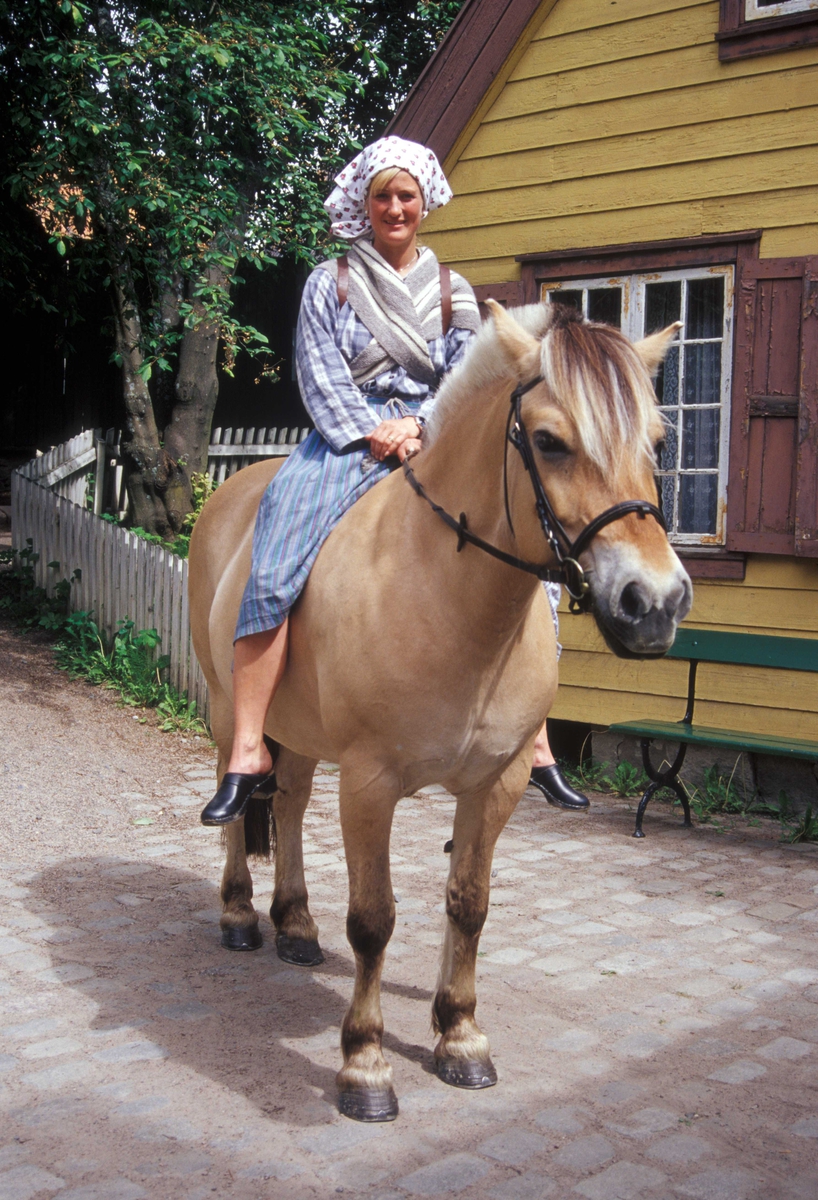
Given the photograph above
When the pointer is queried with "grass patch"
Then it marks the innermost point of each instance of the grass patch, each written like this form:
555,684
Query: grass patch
129,663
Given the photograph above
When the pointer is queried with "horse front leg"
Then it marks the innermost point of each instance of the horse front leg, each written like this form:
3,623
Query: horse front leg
462,1055
365,1080
296,931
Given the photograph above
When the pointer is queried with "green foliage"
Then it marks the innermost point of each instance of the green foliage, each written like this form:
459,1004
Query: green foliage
130,662
623,779
806,829
626,780
716,795
202,486
171,141
23,600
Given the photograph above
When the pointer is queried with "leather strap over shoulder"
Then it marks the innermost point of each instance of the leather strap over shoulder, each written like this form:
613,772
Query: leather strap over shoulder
343,280
445,298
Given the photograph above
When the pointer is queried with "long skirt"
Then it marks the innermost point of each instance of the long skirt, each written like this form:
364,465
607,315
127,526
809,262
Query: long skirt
298,511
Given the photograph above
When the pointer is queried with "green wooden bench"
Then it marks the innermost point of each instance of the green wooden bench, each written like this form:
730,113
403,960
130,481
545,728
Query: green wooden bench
708,646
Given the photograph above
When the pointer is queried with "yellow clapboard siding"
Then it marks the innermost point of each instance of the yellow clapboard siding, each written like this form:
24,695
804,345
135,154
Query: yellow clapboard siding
786,243
675,182
763,608
479,271
663,31
762,210
572,15
775,571
747,135
594,229
754,687
658,73
596,707
680,107
719,214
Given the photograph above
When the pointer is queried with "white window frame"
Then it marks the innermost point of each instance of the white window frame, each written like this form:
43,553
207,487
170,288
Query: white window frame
753,11
633,324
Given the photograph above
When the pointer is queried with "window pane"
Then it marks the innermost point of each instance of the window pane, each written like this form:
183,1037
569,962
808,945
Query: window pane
698,496
667,454
700,438
605,304
667,498
568,296
667,380
705,308
703,374
663,304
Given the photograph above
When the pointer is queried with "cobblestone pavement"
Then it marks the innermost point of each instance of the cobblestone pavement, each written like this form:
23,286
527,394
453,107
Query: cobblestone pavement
652,1006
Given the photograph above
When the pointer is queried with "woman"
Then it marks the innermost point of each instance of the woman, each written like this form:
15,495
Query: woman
371,350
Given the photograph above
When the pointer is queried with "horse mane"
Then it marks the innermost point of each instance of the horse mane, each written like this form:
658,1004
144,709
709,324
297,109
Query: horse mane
592,371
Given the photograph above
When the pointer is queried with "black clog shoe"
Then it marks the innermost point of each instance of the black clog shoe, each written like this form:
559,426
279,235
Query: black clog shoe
556,788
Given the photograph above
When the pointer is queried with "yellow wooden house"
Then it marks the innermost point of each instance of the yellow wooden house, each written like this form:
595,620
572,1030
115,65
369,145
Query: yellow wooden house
648,160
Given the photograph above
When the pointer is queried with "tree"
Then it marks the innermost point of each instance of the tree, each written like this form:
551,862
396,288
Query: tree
167,145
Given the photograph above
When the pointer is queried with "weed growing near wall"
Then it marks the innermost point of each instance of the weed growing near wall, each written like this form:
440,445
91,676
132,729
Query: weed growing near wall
130,663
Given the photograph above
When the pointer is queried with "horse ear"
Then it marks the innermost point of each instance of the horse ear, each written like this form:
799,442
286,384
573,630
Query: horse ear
521,347
652,350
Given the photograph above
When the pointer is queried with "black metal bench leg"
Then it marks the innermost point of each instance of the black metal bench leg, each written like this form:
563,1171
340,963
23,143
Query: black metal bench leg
682,794
668,778
650,791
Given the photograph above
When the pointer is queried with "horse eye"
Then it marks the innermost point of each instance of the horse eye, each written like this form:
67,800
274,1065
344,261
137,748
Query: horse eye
659,450
546,443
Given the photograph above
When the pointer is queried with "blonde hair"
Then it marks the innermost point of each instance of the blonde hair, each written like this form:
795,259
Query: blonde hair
384,178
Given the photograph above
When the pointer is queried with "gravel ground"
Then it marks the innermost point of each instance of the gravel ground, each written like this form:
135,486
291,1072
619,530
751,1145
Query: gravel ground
652,1006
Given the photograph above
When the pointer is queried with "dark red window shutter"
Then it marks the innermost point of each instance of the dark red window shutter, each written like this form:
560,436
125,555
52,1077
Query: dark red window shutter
762,495
504,293
806,477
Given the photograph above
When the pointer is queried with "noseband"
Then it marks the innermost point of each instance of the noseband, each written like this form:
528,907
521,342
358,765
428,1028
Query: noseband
569,572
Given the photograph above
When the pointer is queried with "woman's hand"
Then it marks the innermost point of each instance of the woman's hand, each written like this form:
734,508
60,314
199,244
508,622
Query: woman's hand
390,435
408,448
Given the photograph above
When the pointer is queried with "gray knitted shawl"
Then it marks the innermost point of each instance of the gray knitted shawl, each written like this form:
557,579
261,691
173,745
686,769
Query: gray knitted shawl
402,315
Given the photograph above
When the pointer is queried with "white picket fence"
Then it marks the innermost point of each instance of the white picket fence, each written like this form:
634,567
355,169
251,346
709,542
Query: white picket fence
121,576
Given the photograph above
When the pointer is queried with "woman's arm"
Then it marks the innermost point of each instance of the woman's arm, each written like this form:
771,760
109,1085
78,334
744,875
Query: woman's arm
337,407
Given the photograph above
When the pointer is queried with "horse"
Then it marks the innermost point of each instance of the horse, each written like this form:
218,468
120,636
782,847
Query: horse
411,663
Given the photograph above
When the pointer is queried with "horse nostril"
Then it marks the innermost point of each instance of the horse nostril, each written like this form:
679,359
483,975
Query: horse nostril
634,602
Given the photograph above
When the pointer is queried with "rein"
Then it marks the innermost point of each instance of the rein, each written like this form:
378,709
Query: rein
568,572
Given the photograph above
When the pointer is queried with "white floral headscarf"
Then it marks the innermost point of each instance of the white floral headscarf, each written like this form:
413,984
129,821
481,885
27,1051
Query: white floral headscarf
347,204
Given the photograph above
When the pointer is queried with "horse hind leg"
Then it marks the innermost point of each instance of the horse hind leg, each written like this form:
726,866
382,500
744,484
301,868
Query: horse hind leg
462,1056
365,1080
296,931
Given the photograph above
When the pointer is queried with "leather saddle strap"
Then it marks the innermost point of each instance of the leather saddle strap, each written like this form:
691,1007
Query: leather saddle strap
343,280
445,298
445,291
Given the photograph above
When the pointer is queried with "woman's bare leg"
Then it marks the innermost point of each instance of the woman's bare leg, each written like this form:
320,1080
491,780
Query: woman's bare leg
542,751
258,664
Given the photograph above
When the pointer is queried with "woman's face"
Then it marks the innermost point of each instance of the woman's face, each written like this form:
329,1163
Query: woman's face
395,212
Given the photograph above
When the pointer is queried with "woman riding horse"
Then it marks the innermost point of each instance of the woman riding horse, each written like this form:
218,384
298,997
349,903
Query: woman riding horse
377,332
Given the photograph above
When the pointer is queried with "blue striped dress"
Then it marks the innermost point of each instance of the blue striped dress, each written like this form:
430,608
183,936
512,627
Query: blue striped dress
333,468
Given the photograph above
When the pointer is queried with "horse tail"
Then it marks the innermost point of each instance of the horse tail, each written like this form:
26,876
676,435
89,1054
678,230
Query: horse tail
260,827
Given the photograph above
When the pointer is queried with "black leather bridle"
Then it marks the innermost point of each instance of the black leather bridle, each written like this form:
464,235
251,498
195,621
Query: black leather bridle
568,572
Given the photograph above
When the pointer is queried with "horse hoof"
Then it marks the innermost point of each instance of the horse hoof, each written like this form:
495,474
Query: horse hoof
299,952
367,1104
246,938
466,1073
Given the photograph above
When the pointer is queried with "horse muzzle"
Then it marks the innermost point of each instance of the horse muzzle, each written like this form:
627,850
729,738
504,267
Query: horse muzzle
638,615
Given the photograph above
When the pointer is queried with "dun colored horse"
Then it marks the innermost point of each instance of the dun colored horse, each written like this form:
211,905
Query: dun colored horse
411,664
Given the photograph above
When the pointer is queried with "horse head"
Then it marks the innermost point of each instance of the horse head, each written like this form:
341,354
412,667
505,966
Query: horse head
588,427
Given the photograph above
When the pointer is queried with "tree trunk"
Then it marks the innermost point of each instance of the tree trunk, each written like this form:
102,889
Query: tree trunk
197,389
146,462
